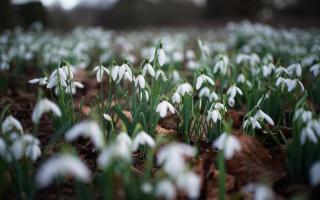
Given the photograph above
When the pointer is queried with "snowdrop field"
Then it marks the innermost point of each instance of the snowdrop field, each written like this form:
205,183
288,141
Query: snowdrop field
223,113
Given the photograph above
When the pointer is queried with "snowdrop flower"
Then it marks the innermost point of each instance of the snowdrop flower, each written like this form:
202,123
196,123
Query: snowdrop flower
142,138
262,115
219,106
41,81
10,124
315,173
294,69
213,96
62,165
315,69
241,78
233,91
267,69
115,73
146,188
308,133
184,88
73,87
161,57
190,183
123,137
17,148
260,192
32,149
253,122
172,157
165,189
139,81
125,73
161,74
100,70
254,59
117,151
148,68
242,58
221,65
228,143
281,70
88,129
176,76
303,115
202,79
204,92
58,76
43,106
213,115
292,84
163,107
107,117
176,98
190,54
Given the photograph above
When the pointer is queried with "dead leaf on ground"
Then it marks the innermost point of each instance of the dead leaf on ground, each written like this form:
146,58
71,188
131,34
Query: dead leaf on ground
254,162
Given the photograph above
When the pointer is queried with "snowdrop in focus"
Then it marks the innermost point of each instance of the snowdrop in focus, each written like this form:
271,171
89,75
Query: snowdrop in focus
203,79
100,70
163,107
10,124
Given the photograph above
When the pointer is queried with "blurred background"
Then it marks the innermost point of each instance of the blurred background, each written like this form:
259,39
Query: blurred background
122,14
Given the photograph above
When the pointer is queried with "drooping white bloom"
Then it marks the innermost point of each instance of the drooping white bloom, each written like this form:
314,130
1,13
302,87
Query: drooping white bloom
253,122
146,188
213,115
163,107
303,115
260,191
140,81
71,89
221,65
107,117
32,149
58,77
88,129
233,91
125,73
123,137
41,81
228,143
315,69
308,133
115,73
204,92
161,74
294,69
190,183
172,157
202,79
62,165
161,57
220,107
100,70
281,70
315,173
43,106
148,68
241,78
17,148
176,98
120,150
262,115
292,84
213,96
165,189
267,69
184,89
10,124
142,138
175,76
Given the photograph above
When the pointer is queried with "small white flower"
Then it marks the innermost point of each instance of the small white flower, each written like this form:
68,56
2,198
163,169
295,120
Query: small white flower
148,68
190,183
107,117
32,150
43,106
221,65
184,88
204,92
163,107
253,122
115,73
213,115
262,115
241,78
267,69
303,115
62,165
10,124
176,76
74,85
142,138
161,74
202,79
125,73
146,188
165,189
308,133
292,84
140,81
228,143
88,129
294,69
220,107
176,98
231,101
233,91
41,81
58,76
123,137
161,57
117,151
280,70
213,96
100,70
315,173
315,69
